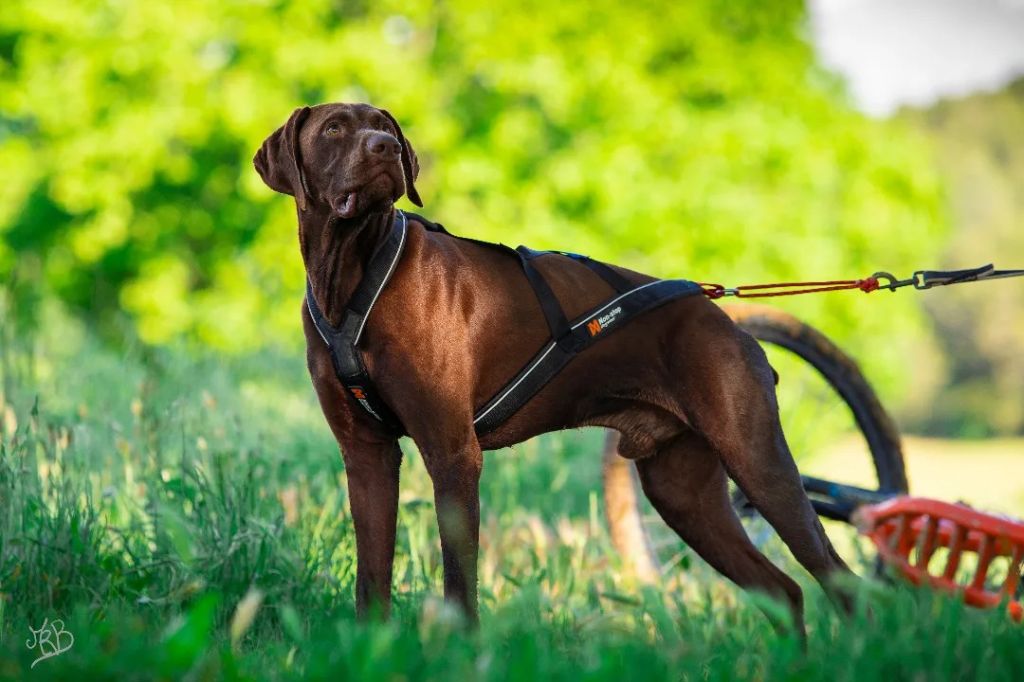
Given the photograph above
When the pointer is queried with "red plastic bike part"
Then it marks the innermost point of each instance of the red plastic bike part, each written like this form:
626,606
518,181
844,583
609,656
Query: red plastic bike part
904,524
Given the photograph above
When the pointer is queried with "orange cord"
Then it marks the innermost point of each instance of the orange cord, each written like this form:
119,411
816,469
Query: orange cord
714,291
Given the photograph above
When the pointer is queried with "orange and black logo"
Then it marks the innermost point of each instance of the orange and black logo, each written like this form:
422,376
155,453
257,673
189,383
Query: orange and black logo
594,327
358,393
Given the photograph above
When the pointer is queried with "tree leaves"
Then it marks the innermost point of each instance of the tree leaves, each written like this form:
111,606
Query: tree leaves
685,139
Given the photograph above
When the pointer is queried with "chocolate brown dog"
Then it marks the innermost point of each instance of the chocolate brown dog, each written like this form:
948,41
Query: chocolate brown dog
692,395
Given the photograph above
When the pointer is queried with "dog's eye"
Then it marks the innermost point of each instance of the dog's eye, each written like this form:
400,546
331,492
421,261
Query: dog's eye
332,129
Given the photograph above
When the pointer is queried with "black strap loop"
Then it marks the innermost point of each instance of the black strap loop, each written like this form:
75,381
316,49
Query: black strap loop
602,270
553,313
926,279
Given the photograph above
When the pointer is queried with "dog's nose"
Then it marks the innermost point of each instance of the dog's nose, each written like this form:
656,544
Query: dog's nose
383,144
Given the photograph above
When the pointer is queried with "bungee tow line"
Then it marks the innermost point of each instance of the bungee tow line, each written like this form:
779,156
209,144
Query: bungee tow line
920,280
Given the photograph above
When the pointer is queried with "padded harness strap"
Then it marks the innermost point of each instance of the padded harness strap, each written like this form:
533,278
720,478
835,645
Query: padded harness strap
567,338
584,331
343,341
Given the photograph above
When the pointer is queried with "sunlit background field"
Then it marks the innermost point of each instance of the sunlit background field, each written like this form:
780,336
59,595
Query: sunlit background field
168,487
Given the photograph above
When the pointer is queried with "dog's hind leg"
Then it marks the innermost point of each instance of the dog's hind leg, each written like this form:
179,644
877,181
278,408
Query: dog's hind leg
687,485
738,415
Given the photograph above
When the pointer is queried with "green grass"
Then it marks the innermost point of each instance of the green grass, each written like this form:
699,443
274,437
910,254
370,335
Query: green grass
145,495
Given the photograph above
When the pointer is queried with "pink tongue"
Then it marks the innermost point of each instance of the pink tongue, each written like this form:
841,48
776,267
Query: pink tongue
348,206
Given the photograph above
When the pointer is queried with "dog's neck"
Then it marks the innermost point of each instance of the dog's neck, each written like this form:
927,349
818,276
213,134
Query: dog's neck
336,253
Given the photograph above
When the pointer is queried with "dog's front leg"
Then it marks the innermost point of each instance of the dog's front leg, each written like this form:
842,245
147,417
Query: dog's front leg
454,465
372,470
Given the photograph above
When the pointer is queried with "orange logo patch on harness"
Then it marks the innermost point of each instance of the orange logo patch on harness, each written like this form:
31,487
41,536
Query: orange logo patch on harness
358,393
594,327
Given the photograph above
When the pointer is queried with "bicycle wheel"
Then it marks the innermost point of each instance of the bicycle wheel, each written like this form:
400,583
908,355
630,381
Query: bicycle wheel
834,424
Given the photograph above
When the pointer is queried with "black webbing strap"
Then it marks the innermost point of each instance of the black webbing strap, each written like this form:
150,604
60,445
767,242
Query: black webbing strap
583,332
343,341
558,323
605,272
926,279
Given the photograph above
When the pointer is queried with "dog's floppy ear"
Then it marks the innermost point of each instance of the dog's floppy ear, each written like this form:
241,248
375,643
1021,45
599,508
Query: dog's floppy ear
279,161
410,164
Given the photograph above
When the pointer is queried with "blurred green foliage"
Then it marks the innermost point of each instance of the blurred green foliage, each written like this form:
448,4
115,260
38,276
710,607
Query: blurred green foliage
980,328
690,139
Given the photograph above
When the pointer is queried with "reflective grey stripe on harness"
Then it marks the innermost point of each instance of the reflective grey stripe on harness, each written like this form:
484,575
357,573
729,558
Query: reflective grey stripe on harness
567,338
584,332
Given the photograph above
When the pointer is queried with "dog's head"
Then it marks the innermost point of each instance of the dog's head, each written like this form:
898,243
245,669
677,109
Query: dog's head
352,158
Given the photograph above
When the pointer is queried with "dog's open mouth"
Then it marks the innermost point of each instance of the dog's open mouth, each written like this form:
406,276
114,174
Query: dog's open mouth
358,199
346,207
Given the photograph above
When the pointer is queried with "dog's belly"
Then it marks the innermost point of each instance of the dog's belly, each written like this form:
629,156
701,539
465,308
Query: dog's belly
644,426
606,389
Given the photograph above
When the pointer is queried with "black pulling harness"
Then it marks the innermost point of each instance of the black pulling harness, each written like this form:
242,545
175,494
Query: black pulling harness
568,337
